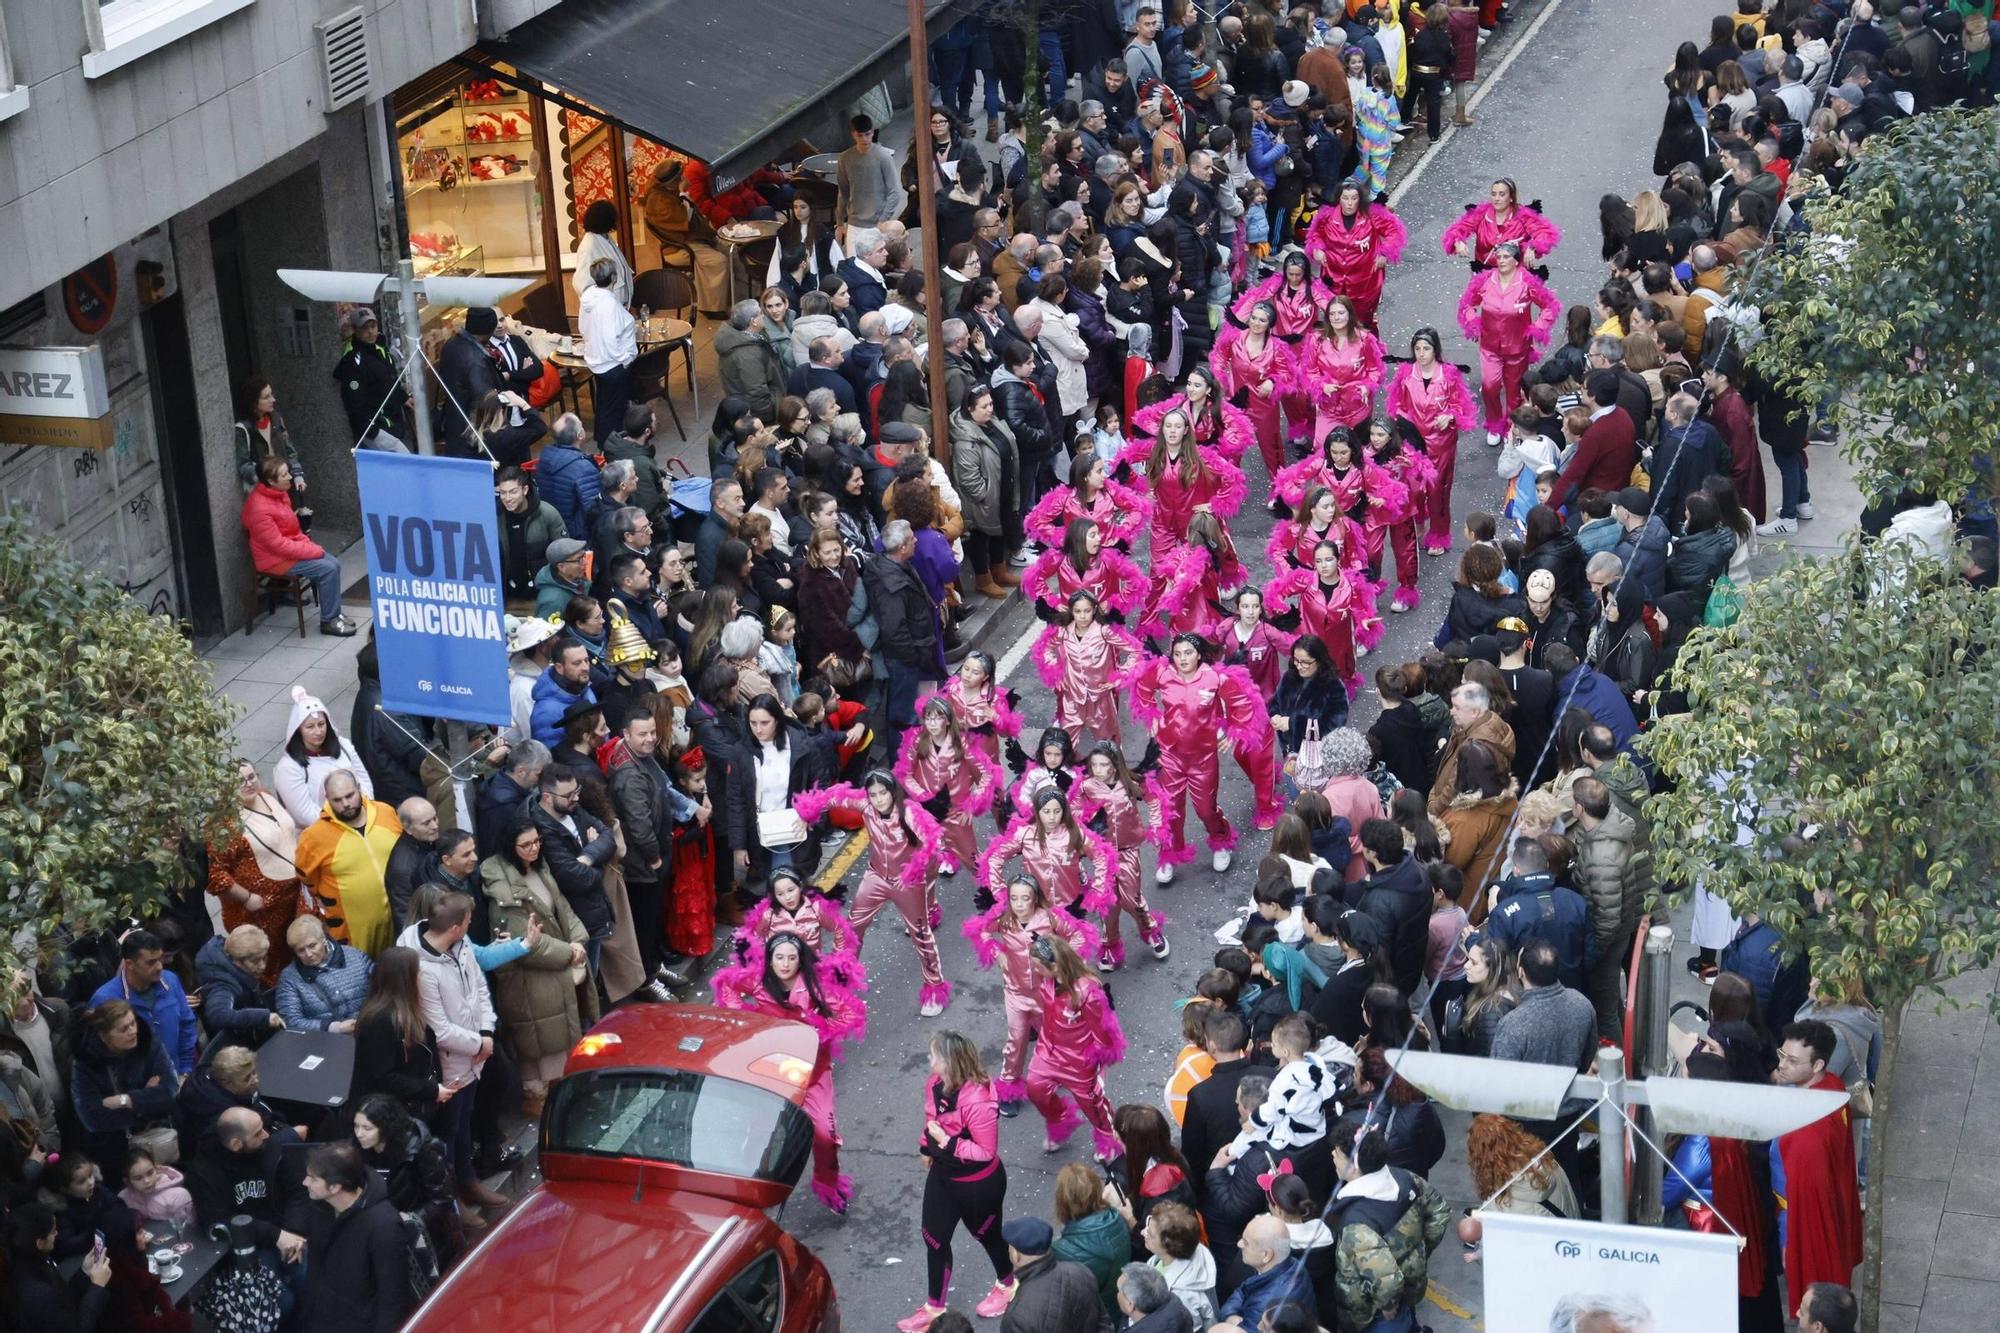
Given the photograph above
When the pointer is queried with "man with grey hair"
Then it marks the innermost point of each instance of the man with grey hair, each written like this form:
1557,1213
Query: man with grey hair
610,346
1011,265
631,532
1472,719
617,482
725,506
505,794
960,374
748,362
1611,1312
566,478
1093,126
1607,352
910,642
1148,1303
867,257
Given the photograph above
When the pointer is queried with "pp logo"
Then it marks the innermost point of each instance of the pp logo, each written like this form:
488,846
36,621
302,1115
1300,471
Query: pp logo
1568,1249
425,686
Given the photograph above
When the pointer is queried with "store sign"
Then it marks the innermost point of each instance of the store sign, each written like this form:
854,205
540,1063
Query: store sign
429,530
55,396
1549,1273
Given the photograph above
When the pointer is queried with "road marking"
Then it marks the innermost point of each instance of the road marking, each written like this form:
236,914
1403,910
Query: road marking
1446,1304
1014,655
843,860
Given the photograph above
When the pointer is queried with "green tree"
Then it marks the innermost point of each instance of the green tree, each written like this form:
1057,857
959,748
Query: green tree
112,749
1850,721
1889,309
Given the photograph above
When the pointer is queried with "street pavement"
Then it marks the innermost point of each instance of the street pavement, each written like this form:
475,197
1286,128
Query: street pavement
1573,117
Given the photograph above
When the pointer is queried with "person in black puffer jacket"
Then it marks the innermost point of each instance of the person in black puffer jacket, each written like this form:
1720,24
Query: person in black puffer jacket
412,1165
1702,554
1397,894
1479,602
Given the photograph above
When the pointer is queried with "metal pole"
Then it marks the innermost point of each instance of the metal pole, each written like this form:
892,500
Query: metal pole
1611,1137
935,313
405,283
1655,999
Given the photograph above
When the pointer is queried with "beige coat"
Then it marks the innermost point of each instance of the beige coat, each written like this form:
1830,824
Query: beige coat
537,1001
1069,351
1491,728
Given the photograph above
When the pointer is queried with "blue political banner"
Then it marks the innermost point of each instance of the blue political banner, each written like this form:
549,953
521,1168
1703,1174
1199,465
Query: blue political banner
434,585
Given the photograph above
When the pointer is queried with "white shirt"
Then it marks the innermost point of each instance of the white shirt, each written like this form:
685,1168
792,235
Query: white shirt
774,777
598,246
781,530
610,334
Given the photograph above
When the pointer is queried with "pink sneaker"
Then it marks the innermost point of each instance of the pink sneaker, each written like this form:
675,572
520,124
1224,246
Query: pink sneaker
921,1320
996,1301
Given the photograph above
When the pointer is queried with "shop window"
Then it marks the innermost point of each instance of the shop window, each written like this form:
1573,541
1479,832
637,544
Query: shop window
472,179
122,31
13,96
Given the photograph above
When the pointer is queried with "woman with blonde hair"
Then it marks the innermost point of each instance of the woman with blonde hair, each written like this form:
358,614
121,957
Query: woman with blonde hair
965,1182
1494,989
1089,1231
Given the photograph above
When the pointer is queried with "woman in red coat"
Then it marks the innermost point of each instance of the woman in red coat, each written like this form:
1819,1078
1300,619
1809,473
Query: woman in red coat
280,547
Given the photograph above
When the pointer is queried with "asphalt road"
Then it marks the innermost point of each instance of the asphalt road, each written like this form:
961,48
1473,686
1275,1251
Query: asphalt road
1574,116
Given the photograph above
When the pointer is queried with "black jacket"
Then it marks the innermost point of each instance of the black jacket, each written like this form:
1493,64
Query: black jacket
406,865
1232,1197
1473,613
639,790
723,738
382,1065
1696,562
1300,701
500,799
1400,899
370,390
562,853
1338,1004
41,1300
1409,746
267,1185
469,370
1024,407
903,610
1563,558
1211,1119
1532,717
393,759
359,1277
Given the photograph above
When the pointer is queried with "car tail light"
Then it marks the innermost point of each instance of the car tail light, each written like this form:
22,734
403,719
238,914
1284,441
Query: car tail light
790,1068
596,1043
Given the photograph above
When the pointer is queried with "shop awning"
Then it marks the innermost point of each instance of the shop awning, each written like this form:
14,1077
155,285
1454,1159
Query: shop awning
733,82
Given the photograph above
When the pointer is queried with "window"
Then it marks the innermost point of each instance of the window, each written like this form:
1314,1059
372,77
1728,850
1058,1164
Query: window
121,31
751,1303
680,1118
13,96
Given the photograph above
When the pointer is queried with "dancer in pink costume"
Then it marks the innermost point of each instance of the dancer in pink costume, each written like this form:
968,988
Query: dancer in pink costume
985,712
1340,366
1296,297
1262,368
1495,312
1218,427
965,1181
1052,847
1198,576
1430,393
904,844
1080,1039
1254,643
1182,479
1184,703
1002,934
1395,524
1119,510
1359,488
1082,562
952,780
1333,603
1353,243
1323,519
1053,767
785,977
794,907
1085,662
1111,801
1499,220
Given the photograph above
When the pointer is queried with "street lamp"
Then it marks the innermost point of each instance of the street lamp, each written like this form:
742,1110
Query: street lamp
318,284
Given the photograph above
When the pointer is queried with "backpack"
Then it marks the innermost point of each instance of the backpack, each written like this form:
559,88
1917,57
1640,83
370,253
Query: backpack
423,1259
1387,784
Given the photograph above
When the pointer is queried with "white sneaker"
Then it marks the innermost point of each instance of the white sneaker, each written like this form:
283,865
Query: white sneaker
1492,440
1220,861
1777,527
1805,510
930,1009
1163,875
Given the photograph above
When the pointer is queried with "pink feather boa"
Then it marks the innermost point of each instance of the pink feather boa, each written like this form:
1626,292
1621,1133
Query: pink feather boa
1009,1090
1267,290
756,929
982,932
1185,569
1044,656
812,805
1235,441
921,868
841,983
1048,522
1104,857
1245,719
988,783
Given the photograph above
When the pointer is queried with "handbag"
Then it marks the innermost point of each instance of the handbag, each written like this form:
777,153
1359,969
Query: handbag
780,830
547,386
159,1142
1312,770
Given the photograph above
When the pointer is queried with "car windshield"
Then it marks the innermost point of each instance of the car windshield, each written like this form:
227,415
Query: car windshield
680,1118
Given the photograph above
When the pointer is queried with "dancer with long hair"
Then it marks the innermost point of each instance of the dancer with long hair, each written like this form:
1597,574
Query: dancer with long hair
1184,702
1508,311
1198,576
784,976
965,1182
1080,1038
904,845
1182,479
1340,366
1395,524
1084,562
1295,297
1002,934
1333,604
1259,368
1085,662
1110,800
1322,521
1431,395
1218,427
1354,242
950,778
985,711
1053,847
1119,510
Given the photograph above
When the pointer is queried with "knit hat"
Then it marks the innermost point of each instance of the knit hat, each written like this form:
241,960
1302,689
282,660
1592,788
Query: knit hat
481,320
1202,81
1296,91
1345,752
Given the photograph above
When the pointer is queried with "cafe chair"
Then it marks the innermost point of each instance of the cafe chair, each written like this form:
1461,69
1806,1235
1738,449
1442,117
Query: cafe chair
664,292
545,308
270,591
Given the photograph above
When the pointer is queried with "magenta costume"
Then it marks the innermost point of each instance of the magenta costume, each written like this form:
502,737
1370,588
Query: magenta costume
1118,584
902,865
1261,654
1339,379
1294,541
1188,597
1226,431
817,921
966,1183
1185,715
1497,316
1056,866
1414,474
1342,616
742,987
997,937
1080,1039
1243,372
1085,671
1346,248
969,783
1124,821
983,719
1216,482
1298,312
1524,226
1424,403
1119,510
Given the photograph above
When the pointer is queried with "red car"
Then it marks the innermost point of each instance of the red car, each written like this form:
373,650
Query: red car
673,1135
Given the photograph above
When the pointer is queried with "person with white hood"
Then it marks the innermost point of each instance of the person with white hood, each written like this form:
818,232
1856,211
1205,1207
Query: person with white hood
1064,344
313,749
1173,1238
529,642
1386,1222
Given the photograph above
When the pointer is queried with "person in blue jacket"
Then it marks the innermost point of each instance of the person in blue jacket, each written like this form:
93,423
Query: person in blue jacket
567,477
155,994
566,682
1579,686
1531,905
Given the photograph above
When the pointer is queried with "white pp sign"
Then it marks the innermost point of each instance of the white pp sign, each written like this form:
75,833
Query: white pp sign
1548,1275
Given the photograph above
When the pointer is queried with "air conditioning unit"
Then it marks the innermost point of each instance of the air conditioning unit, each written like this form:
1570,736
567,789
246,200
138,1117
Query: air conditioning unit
350,74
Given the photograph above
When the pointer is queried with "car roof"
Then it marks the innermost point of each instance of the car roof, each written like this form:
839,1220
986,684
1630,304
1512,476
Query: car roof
727,1043
586,1256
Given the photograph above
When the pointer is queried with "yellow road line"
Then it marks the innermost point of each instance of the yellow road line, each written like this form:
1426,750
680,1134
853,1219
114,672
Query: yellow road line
843,860
1446,1304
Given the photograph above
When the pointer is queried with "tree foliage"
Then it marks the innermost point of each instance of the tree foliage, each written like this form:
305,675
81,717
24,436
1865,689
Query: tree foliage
1889,308
1850,719
112,749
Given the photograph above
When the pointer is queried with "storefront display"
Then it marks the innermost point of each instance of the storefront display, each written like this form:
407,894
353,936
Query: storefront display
473,180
